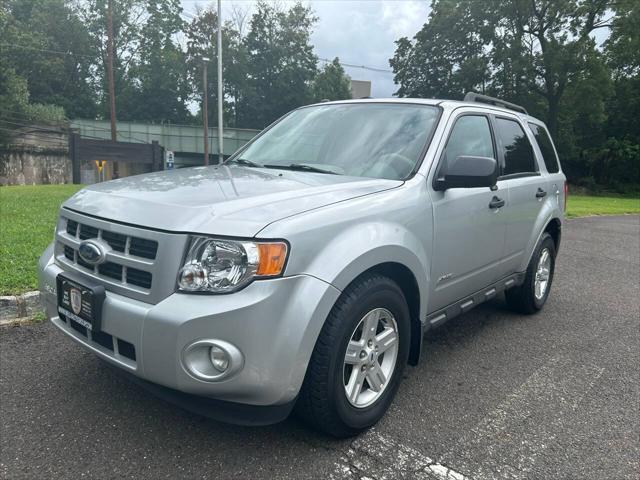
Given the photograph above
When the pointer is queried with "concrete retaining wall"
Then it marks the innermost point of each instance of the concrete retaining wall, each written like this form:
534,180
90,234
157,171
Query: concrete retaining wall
36,157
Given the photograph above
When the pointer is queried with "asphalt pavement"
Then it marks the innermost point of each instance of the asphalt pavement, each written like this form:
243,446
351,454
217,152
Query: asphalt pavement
496,396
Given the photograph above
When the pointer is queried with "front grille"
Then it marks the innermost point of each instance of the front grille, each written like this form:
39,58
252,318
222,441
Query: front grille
112,270
105,340
143,248
138,277
141,263
139,247
117,241
129,246
87,231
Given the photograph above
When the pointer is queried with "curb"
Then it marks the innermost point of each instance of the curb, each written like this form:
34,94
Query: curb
15,308
16,322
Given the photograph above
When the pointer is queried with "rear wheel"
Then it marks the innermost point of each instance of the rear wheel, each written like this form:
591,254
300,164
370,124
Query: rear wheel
357,363
531,296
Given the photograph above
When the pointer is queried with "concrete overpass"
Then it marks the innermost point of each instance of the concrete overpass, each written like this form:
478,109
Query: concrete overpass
186,141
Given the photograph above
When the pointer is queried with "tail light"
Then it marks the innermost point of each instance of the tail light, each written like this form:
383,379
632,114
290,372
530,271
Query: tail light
566,195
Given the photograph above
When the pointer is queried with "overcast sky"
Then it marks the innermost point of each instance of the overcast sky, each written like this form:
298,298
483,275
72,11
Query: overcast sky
358,32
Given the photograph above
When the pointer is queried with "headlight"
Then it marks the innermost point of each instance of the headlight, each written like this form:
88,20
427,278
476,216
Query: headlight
222,266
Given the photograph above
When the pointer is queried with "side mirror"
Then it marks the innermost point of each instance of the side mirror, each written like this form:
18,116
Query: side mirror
468,172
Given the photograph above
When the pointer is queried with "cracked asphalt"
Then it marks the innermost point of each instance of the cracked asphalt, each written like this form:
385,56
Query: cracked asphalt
496,396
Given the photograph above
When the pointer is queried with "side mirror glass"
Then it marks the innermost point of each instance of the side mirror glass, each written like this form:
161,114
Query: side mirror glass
468,172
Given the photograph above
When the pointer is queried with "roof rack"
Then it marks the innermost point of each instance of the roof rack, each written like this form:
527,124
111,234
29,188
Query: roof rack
477,97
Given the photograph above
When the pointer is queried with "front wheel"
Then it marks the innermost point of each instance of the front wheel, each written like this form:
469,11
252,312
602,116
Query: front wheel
531,296
357,363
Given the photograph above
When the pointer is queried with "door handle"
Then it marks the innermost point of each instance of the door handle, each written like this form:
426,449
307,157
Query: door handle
496,202
541,193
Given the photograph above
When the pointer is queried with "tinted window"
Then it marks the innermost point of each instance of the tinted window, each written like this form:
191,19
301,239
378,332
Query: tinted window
546,147
518,153
378,140
470,136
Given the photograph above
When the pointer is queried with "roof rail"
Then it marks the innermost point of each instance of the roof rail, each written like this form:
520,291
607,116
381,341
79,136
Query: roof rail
477,97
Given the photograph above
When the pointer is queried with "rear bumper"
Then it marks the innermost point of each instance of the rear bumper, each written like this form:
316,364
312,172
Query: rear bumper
273,323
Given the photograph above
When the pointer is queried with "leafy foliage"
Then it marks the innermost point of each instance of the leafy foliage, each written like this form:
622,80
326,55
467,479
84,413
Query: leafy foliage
332,83
541,55
280,62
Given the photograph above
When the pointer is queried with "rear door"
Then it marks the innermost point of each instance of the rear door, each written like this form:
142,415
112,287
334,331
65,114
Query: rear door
469,235
555,177
527,187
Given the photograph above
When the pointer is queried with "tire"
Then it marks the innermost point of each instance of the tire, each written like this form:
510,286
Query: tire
524,299
323,402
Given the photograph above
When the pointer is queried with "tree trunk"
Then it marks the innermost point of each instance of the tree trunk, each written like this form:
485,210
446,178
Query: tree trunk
552,115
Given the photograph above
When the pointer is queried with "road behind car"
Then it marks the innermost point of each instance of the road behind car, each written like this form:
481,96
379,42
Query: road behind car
496,396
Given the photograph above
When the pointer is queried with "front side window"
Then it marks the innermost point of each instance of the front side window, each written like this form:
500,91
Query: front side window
546,147
379,140
518,153
470,136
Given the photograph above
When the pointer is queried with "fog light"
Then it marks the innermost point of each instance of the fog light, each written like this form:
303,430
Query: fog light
219,358
211,360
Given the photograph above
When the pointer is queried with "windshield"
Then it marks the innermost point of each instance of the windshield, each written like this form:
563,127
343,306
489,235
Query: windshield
379,140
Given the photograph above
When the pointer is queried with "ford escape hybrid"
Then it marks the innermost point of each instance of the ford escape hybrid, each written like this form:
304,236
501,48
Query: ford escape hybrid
304,270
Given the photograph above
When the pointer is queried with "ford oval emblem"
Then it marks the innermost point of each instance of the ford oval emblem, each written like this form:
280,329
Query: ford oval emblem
92,252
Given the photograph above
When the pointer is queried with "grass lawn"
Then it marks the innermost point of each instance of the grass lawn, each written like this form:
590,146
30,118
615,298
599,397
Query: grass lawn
28,215
585,205
27,218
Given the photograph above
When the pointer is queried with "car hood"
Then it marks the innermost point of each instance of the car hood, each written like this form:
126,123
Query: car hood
218,200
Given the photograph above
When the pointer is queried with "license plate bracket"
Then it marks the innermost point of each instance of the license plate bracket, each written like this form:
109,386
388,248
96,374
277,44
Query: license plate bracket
80,300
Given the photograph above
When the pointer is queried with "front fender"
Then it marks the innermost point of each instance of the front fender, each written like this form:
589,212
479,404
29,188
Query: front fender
338,243
363,247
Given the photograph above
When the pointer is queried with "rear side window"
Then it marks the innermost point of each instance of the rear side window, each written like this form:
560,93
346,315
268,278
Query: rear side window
546,147
470,136
518,152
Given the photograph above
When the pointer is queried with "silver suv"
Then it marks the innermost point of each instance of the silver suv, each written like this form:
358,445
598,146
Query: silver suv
305,270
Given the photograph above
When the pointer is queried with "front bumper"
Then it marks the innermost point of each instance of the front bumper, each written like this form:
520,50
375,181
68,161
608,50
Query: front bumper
274,323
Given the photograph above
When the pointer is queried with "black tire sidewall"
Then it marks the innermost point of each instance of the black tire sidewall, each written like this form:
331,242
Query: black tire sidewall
546,242
383,294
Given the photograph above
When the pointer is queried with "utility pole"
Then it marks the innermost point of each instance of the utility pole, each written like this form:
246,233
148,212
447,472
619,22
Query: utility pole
112,90
220,102
205,115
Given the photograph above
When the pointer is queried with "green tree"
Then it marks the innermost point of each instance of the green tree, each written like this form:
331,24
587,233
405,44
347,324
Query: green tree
281,63
332,83
46,43
160,87
446,57
201,34
128,21
509,48
539,54
623,45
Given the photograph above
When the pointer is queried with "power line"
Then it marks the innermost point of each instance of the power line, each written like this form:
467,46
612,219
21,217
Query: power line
352,65
44,50
189,17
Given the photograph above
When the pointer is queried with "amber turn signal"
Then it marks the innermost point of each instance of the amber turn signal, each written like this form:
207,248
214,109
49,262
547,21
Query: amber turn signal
272,258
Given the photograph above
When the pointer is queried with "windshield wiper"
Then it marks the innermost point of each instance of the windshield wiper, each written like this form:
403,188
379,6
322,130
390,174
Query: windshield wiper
301,167
244,162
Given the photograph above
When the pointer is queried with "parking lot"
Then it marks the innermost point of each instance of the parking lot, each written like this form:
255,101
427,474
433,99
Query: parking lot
496,396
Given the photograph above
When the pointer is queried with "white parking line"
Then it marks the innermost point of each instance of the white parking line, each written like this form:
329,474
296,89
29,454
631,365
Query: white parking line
379,457
504,445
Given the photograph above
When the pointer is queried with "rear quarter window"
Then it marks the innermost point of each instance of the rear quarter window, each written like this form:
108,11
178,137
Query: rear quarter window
546,147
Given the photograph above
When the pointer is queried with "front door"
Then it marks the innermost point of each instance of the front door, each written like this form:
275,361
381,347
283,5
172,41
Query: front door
469,226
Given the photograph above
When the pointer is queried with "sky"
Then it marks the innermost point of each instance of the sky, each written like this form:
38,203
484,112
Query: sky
358,32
